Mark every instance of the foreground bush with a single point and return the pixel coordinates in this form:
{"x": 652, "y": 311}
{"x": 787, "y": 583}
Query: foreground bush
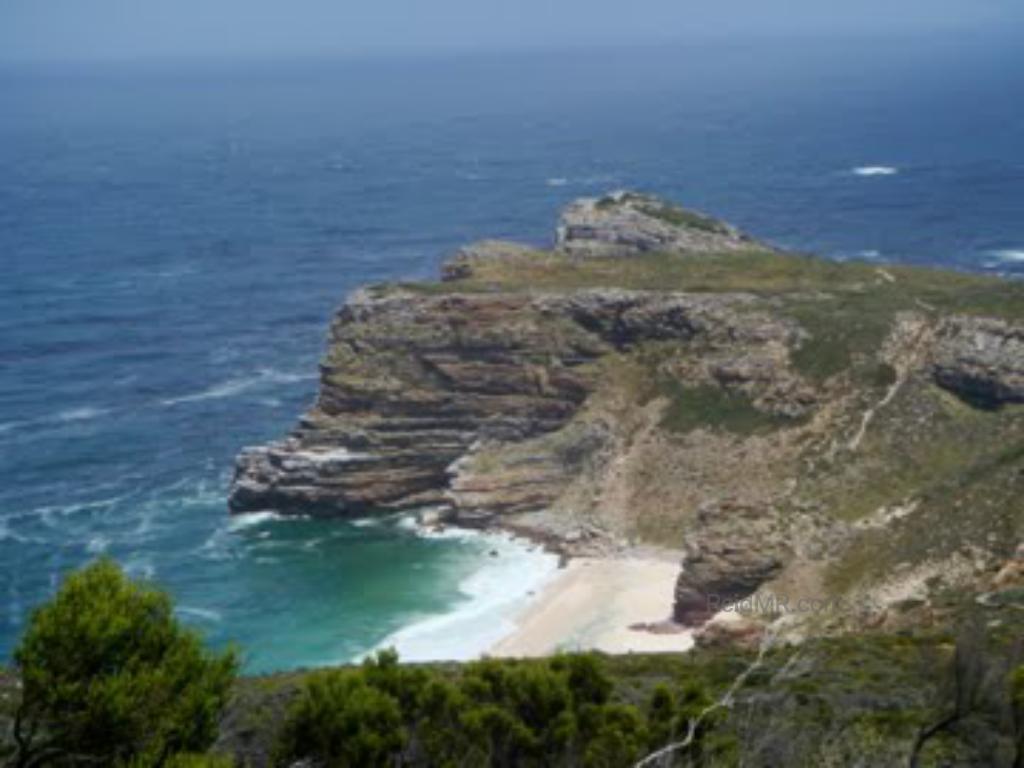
{"x": 111, "y": 678}
{"x": 558, "y": 712}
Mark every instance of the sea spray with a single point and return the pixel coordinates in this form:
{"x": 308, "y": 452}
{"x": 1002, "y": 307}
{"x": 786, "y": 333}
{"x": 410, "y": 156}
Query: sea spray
{"x": 492, "y": 596}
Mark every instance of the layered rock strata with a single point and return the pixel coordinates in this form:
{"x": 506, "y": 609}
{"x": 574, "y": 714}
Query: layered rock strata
{"x": 413, "y": 381}
{"x": 657, "y": 376}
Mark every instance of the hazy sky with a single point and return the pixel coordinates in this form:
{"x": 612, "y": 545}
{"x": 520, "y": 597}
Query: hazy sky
{"x": 116, "y": 29}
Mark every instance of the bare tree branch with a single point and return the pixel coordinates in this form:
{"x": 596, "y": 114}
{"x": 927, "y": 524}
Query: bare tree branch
{"x": 724, "y": 702}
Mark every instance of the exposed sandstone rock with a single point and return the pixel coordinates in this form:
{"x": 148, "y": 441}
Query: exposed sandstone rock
{"x": 490, "y": 481}
{"x": 735, "y": 632}
{"x": 412, "y": 381}
{"x": 732, "y": 551}
{"x": 409, "y": 383}
{"x": 981, "y": 359}
{"x": 625, "y": 222}
{"x": 1011, "y": 573}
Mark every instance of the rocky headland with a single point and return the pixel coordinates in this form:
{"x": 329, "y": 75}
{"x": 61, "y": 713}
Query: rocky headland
{"x": 809, "y": 433}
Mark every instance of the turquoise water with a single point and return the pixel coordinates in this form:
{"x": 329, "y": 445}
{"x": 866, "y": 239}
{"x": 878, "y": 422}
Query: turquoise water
{"x": 175, "y": 239}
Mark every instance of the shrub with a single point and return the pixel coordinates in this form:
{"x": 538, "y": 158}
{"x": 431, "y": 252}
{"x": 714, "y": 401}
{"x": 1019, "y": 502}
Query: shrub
{"x": 612, "y": 735}
{"x": 497, "y": 713}
{"x": 343, "y": 720}
{"x": 111, "y": 678}
{"x": 188, "y": 760}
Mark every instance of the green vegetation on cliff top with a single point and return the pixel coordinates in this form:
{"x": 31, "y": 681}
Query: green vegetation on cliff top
{"x": 760, "y": 272}
{"x": 847, "y": 308}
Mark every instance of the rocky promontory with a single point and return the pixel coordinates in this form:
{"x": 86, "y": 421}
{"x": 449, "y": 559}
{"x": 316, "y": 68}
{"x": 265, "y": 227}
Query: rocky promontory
{"x": 800, "y": 428}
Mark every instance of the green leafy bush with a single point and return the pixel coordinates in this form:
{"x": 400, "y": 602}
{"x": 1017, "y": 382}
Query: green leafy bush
{"x": 111, "y": 678}
{"x": 188, "y": 760}
{"x": 499, "y": 713}
{"x": 344, "y": 720}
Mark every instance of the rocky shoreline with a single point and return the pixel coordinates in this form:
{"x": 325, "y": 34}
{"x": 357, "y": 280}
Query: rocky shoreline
{"x": 657, "y": 376}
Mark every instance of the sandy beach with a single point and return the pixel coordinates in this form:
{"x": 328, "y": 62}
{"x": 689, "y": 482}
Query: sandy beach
{"x": 591, "y": 604}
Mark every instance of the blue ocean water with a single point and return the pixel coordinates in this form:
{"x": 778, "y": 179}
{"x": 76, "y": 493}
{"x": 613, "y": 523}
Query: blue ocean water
{"x": 174, "y": 239}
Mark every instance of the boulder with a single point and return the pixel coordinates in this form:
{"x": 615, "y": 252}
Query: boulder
{"x": 981, "y": 360}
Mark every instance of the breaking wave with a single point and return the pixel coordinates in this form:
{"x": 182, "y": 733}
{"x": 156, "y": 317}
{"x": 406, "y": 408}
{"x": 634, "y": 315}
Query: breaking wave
{"x": 81, "y": 414}
{"x": 1010, "y": 255}
{"x": 875, "y": 170}
{"x": 237, "y": 386}
{"x": 205, "y": 614}
{"x": 493, "y": 596}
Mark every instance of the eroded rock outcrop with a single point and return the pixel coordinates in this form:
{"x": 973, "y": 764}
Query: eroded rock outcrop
{"x": 627, "y": 222}
{"x": 734, "y": 550}
{"x": 981, "y": 359}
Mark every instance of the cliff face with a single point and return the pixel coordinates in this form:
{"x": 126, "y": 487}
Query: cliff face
{"x": 800, "y": 427}
{"x": 409, "y": 384}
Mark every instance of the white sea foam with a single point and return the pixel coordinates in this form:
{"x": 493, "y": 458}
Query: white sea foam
{"x": 450, "y": 532}
{"x": 252, "y": 519}
{"x": 140, "y": 568}
{"x": 600, "y": 180}
{"x": 97, "y": 545}
{"x": 409, "y": 523}
{"x": 404, "y": 520}
{"x": 46, "y": 513}
{"x": 237, "y": 386}
{"x": 218, "y": 546}
{"x": 875, "y": 170}
{"x": 6, "y": 533}
{"x": 492, "y": 597}
{"x": 332, "y": 455}
{"x": 1015, "y": 255}
{"x": 400, "y": 519}
{"x": 173, "y": 273}
{"x": 284, "y": 377}
{"x": 225, "y": 389}
{"x": 80, "y": 414}
{"x": 206, "y": 614}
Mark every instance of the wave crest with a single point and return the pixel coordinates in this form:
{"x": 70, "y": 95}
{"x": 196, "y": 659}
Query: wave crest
{"x": 237, "y": 386}
{"x": 875, "y": 170}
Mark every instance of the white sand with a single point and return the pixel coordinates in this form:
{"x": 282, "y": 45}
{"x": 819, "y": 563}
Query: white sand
{"x": 590, "y": 605}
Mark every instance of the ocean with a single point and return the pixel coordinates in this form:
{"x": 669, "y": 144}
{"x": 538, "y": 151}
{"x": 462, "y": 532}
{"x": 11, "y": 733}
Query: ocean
{"x": 174, "y": 238}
